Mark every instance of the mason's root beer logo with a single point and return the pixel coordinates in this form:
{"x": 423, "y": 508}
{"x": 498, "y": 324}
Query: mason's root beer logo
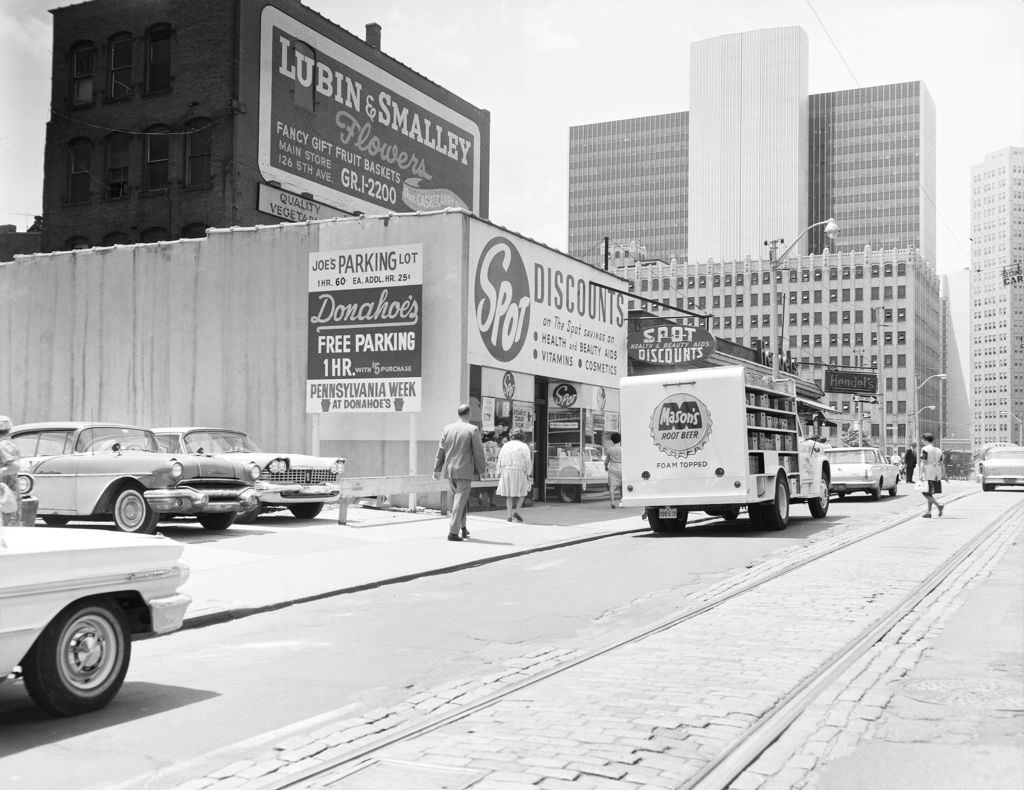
{"x": 502, "y": 295}
{"x": 680, "y": 425}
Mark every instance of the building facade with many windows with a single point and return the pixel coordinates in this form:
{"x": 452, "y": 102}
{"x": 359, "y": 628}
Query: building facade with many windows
{"x": 997, "y": 297}
{"x": 874, "y": 309}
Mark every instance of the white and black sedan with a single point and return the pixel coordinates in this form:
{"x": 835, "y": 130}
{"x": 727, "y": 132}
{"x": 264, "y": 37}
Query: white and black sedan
{"x": 301, "y": 483}
{"x": 861, "y": 469}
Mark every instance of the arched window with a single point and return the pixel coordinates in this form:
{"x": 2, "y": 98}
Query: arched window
{"x": 79, "y": 165}
{"x": 77, "y": 243}
{"x": 117, "y": 237}
{"x": 119, "y": 62}
{"x": 158, "y": 58}
{"x": 157, "y": 150}
{"x": 83, "y": 73}
{"x": 198, "y": 147}
{"x": 154, "y": 234}
{"x": 117, "y": 165}
{"x": 194, "y": 230}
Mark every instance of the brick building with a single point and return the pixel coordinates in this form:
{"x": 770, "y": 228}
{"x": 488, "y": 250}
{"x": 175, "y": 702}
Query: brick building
{"x": 172, "y": 116}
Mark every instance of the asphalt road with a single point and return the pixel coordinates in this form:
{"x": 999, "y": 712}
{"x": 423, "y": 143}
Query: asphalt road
{"x": 194, "y": 699}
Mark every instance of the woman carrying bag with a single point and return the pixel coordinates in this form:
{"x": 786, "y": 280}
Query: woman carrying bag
{"x": 515, "y": 467}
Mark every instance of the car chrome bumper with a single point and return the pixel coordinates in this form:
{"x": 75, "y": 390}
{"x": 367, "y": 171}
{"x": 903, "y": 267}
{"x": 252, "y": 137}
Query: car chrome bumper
{"x": 187, "y": 501}
{"x": 1003, "y": 480}
{"x": 168, "y": 613}
{"x": 283, "y": 493}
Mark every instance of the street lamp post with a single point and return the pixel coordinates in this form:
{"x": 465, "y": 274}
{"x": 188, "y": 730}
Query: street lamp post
{"x": 1020, "y": 425}
{"x": 831, "y": 230}
{"x": 917, "y": 414}
{"x": 917, "y": 390}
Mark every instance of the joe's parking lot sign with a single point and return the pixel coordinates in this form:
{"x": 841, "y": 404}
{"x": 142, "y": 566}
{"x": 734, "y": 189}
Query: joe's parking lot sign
{"x": 365, "y": 315}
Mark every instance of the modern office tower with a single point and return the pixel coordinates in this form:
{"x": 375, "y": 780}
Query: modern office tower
{"x": 872, "y": 168}
{"x": 955, "y": 399}
{"x": 748, "y": 142}
{"x": 997, "y": 297}
{"x": 627, "y": 182}
{"x": 872, "y": 309}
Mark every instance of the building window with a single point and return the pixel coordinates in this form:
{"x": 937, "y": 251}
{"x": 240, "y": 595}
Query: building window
{"x": 154, "y": 234}
{"x": 858, "y": 316}
{"x": 716, "y": 281}
{"x": 119, "y": 81}
{"x": 739, "y": 300}
{"x": 79, "y": 163}
{"x": 753, "y": 278}
{"x": 114, "y": 238}
{"x": 689, "y": 282}
{"x": 158, "y": 59}
{"x": 901, "y": 270}
{"x": 888, "y": 270}
{"x": 753, "y": 321}
{"x": 739, "y": 279}
{"x": 739, "y": 322}
{"x": 728, "y": 300}
{"x": 194, "y": 230}
{"x": 728, "y": 280}
{"x": 817, "y": 275}
{"x": 716, "y": 301}
{"x": 874, "y": 293}
{"x": 901, "y": 314}
{"x": 83, "y": 73}
{"x": 77, "y": 243}
{"x": 198, "y": 146}
{"x": 887, "y": 294}
{"x": 157, "y": 153}
{"x": 901, "y": 291}
{"x": 702, "y": 281}
{"x": 117, "y": 166}
{"x": 655, "y": 284}
{"x": 833, "y": 295}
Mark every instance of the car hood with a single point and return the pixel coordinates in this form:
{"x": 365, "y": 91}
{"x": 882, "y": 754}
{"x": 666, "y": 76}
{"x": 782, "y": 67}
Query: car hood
{"x": 202, "y": 466}
{"x": 295, "y": 460}
{"x": 37, "y": 556}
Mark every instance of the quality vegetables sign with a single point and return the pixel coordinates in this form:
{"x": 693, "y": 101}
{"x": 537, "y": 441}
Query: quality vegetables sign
{"x": 365, "y": 321}
{"x": 349, "y": 134}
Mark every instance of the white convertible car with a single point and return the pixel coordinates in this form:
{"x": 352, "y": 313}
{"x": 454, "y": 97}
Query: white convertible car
{"x": 72, "y": 600}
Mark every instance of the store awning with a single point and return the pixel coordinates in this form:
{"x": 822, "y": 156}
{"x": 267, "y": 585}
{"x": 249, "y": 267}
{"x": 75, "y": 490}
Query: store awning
{"x": 811, "y": 411}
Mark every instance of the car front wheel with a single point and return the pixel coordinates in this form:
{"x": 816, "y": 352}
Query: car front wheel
{"x": 78, "y": 662}
{"x": 306, "y": 509}
{"x": 216, "y": 521}
{"x": 132, "y": 512}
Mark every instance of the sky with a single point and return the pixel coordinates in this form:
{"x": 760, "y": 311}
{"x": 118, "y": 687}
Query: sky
{"x": 541, "y": 67}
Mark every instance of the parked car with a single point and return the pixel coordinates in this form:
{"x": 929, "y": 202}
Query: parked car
{"x": 861, "y": 469}
{"x": 574, "y": 470}
{"x": 301, "y": 483}
{"x": 72, "y": 600}
{"x": 1002, "y": 466}
{"x": 91, "y": 470}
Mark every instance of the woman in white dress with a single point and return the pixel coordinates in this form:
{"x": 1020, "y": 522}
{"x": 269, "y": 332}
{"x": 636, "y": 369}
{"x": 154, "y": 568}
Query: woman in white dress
{"x": 515, "y": 467}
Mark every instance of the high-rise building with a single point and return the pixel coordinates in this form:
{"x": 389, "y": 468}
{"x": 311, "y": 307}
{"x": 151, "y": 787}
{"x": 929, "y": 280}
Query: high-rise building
{"x": 748, "y": 140}
{"x": 755, "y": 158}
{"x": 871, "y": 309}
{"x": 627, "y": 182}
{"x": 997, "y": 297}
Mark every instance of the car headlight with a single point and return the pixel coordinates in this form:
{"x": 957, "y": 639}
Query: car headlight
{"x": 278, "y": 466}
{"x": 177, "y": 470}
{"x": 254, "y": 471}
{"x": 338, "y": 466}
{"x": 25, "y": 484}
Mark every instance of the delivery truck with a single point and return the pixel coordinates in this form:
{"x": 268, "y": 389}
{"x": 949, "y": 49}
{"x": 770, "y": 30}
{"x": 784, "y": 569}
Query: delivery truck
{"x": 718, "y": 440}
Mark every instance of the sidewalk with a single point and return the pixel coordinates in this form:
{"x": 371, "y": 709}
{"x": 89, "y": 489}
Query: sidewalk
{"x": 253, "y": 568}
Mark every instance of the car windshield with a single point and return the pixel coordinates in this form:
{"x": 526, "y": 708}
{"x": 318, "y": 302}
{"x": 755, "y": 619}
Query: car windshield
{"x": 1005, "y": 455}
{"x": 112, "y": 438}
{"x": 215, "y": 442}
{"x": 850, "y": 457}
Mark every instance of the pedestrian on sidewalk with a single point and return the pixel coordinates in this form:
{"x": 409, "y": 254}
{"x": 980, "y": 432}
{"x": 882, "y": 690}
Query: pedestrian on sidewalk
{"x": 460, "y": 457}
{"x": 931, "y": 472}
{"x": 515, "y": 467}
{"x": 613, "y": 465}
{"x": 910, "y": 462}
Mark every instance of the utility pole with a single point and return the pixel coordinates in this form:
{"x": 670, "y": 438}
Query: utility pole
{"x": 606, "y": 252}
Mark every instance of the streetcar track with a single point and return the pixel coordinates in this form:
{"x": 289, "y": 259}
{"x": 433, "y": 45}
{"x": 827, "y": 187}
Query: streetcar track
{"x": 355, "y": 757}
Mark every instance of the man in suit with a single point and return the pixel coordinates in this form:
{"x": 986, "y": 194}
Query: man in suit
{"x": 460, "y": 457}
{"x": 910, "y": 462}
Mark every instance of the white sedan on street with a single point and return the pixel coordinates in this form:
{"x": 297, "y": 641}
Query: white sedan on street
{"x": 861, "y": 469}
{"x": 71, "y": 601}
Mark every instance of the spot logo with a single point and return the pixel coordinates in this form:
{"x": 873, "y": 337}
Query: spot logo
{"x": 564, "y": 395}
{"x": 680, "y": 425}
{"x": 501, "y": 292}
{"x": 508, "y": 385}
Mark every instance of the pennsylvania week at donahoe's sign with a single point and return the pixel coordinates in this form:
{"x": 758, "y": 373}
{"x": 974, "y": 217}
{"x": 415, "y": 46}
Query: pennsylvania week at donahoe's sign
{"x": 532, "y": 309}
{"x": 349, "y": 134}
{"x": 365, "y": 320}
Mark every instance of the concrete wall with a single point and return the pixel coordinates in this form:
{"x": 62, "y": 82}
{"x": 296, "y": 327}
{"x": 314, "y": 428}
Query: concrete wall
{"x": 213, "y": 331}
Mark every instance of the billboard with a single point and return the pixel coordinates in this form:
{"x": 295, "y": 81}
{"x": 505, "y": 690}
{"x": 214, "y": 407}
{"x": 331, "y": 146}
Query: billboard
{"x": 364, "y": 330}
{"x": 346, "y": 132}
{"x": 532, "y": 308}
{"x": 659, "y": 342}
{"x": 850, "y": 382}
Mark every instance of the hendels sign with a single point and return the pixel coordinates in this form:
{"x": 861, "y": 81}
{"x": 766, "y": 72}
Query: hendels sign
{"x": 850, "y": 382}
{"x": 670, "y": 344}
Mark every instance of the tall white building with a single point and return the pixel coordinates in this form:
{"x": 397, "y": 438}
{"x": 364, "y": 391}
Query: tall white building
{"x": 997, "y": 297}
{"x": 748, "y": 142}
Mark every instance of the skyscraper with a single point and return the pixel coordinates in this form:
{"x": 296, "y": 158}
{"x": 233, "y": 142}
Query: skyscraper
{"x": 748, "y": 137}
{"x": 997, "y": 297}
